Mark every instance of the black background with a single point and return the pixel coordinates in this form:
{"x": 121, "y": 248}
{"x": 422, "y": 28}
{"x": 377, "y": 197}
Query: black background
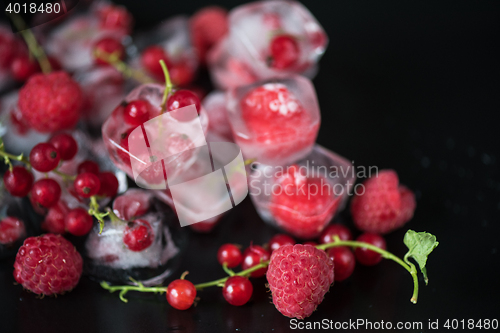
{"x": 408, "y": 85}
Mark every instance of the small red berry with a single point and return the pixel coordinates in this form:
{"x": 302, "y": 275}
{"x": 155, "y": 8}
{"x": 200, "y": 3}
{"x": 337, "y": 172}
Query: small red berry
{"x": 280, "y": 240}
{"x": 335, "y": 230}
{"x": 181, "y": 294}
{"x": 343, "y": 262}
{"x": 150, "y": 59}
{"x": 369, "y": 257}
{"x": 114, "y": 17}
{"x": 207, "y": 26}
{"x": 22, "y": 67}
{"x": 180, "y": 99}
{"x": 88, "y": 166}
{"x": 108, "y": 46}
{"x": 181, "y": 74}
{"x": 138, "y": 235}
{"x": 137, "y": 112}
{"x": 46, "y": 192}
{"x": 87, "y": 184}
{"x": 237, "y": 290}
{"x": 285, "y": 52}
{"x": 229, "y": 254}
{"x": 11, "y": 229}
{"x": 48, "y": 264}
{"x": 44, "y": 157}
{"x": 54, "y": 220}
{"x": 65, "y": 144}
{"x": 254, "y": 255}
{"x": 109, "y": 184}
{"x": 78, "y": 222}
{"x": 18, "y": 181}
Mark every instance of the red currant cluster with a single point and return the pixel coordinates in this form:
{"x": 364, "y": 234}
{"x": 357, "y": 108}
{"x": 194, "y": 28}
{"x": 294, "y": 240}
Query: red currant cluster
{"x": 45, "y": 193}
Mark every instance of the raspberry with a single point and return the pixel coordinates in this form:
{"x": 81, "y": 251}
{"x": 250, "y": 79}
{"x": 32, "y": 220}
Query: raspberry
{"x": 48, "y": 264}
{"x": 384, "y": 206}
{"x": 302, "y": 206}
{"x": 50, "y": 102}
{"x": 299, "y": 277}
{"x": 208, "y": 26}
{"x": 11, "y": 229}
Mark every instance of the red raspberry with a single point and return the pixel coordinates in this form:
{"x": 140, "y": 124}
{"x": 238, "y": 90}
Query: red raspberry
{"x": 11, "y": 229}
{"x": 302, "y": 206}
{"x": 51, "y": 102}
{"x": 384, "y": 206}
{"x": 48, "y": 264}
{"x": 208, "y": 26}
{"x": 299, "y": 277}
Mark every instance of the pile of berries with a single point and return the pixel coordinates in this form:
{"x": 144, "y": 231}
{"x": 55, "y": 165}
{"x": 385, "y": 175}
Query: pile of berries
{"x": 269, "y": 109}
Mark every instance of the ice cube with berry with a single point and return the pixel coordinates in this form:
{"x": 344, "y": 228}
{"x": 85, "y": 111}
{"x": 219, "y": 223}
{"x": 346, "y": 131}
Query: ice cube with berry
{"x": 276, "y": 121}
{"x": 270, "y": 38}
{"x": 302, "y": 198}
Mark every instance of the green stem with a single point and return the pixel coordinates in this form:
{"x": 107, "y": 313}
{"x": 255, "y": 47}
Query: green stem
{"x": 138, "y": 287}
{"x": 168, "y": 85}
{"x": 385, "y": 254}
{"x": 64, "y": 176}
{"x": 33, "y": 45}
{"x": 127, "y": 71}
{"x": 220, "y": 282}
{"x": 94, "y": 211}
{"x": 227, "y": 270}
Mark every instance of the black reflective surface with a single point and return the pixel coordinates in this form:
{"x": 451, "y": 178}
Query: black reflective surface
{"x": 406, "y": 85}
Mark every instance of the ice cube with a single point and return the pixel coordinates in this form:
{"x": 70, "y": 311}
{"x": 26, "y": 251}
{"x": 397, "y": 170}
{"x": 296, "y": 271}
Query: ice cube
{"x": 166, "y": 137}
{"x": 258, "y": 34}
{"x": 302, "y": 199}
{"x": 218, "y": 123}
{"x": 276, "y": 121}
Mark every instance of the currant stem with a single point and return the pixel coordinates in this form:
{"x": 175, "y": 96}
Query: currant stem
{"x": 33, "y": 45}
{"x": 227, "y": 270}
{"x": 168, "y": 85}
{"x": 94, "y": 211}
{"x": 127, "y": 71}
{"x": 138, "y": 287}
{"x": 385, "y": 254}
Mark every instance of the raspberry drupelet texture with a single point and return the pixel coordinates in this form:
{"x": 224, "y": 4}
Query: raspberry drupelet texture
{"x": 299, "y": 277}
{"x": 50, "y": 102}
{"x": 48, "y": 264}
{"x": 384, "y": 206}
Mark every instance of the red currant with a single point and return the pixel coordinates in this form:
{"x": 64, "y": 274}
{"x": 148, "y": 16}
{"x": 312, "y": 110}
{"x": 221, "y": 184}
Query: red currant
{"x": 115, "y": 18}
{"x": 180, "y": 99}
{"x": 280, "y": 240}
{"x": 109, "y": 184}
{"x": 23, "y": 67}
{"x": 87, "y": 184}
{"x": 138, "y": 235}
{"x": 369, "y": 257}
{"x": 335, "y": 230}
{"x": 46, "y": 192}
{"x": 137, "y": 112}
{"x": 11, "y": 229}
{"x": 181, "y": 294}
{"x": 229, "y": 254}
{"x": 18, "y": 181}
{"x": 237, "y": 290}
{"x": 252, "y": 256}
{"x": 150, "y": 59}
{"x": 54, "y": 220}
{"x": 88, "y": 166}
{"x": 65, "y": 144}
{"x": 285, "y": 52}
{"x": 78, "y": 222}
{"x": 343, "y": 262}
{"x": 108, "y": 46}
{"x": 181, "y": 74}
{"x": 44, "y": 157}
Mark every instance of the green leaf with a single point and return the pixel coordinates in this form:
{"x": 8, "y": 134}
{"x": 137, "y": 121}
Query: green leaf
{"x": 420, "y": 245}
